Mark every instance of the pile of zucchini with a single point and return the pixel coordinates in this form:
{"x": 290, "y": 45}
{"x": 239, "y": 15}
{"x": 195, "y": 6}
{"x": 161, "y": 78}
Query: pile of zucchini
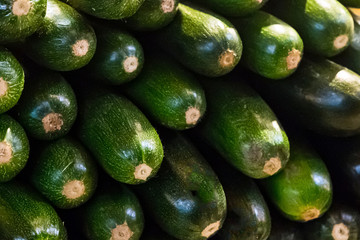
{"x": 169, "y": 119}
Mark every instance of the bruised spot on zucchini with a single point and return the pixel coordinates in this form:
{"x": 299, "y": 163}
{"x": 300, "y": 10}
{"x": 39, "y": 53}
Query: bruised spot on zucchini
{"x": 192, "y": 115}
{"x": 80, "y": 48}
{"x": 272, "y": 166}
{"x": 131, "y": 64}
{"x": 52, "y": 122}
{"x": 310, "y": 214}
{"x": 21, "y": 7}
{"x": 340, "y": 232}
{"x": 5, "y": 152}
{"x": 3, "y": 87}
{"x": 341, "y": 41}
{"x": 121, "y": 232}
{"x": 293, "y": 59}
{"x": 74, "y": 189}
{"x": 168, "y": 6}
{"x": 142, "y": 172}
{"x": 227, "y": 58}
{"x": 211, "y": 229}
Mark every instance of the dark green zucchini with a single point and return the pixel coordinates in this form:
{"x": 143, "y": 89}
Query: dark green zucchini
{"x": 283, "y": 229}
{"x": 341, "y": 222}
{"x": 107, "y": 9}
{"x": 303, "y": 190}
{"x": 20, "y": 18}
{"x": 48, "y": 107}
{"x": 115, "y": 215}
{"x": 271, "y": 47}
{"x": 65, "y": 41}
{"x": 204, "y": 42}
{"x": 11, "y": 80}
{"x": 14, "y": 148}
{"x": 120, "y": 137}
{"x": 119, "y": 57}
{"x": 25, "y": 215}
{"x": 243, "y": 129}
{"x": 153, "y": 15}
{"x": 186, "y": 198}
{"x": 326, "y": 26}
{"x": 350, "y": 3}
{"x": 168, "y": 93}
{"x": 65, "y": 174}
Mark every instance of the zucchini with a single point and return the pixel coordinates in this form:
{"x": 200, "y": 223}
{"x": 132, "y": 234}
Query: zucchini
{"x": 11, "y": 80}
{"x": 65, "y": 41}
{"x": 25, "y": 215}
{"x": 119, "y": 57}
{"x": 115, "y": 215}
{"x": 243, "y": 129}
{"x": 204, "y": 42}
{"x": 303, "y": 190}
{"x": 153, "y": 15}
{"x": 283, "y": 229}
{"x": 350, "y": 3}
{"x": 20, "y": 18}
{"x": 65, "y": 174}
{"x": 186, "y": 198}
{"x": 107, "y": 9}
{"x": 339, "y": 223}
{"x": 271, "y": 48}
{"x": 120, "y": 137}
{"x": 168, "y": 93}
{"x": 48, "y": 107}
{"x": 326, "y": 26}
{"x": 14, "y": 148}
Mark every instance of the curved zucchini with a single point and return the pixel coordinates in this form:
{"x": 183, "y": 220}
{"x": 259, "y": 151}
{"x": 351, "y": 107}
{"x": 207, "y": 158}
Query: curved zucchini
{"x": 14, "y": 148}
{"x": 20, "y": 18}
{"x": 271, "y": 47}
{"x": 243, "y": 129}
{"x": 120, "y": 137}
{"x": 11, "y": 80}
{"x": 48, "y": 107}
{"x": 204, "y": 42}
{"x": 168, "y": 93}
{"x": 65, "y": 41}
{"x": 65, "y": 174}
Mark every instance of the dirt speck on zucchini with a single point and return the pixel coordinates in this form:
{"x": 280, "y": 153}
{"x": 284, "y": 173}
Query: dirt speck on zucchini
{"x": 211, "y": 229}
{"x": 74, "y": 189}
{"x": 121, "y": 232}
{"x": 5, "y": 152}
{"x": 52, "y": 122}
{"x": 293, "y": 59}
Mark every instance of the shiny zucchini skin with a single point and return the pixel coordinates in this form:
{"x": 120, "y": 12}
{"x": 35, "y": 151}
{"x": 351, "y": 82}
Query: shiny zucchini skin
{"x": 14, "y": 148}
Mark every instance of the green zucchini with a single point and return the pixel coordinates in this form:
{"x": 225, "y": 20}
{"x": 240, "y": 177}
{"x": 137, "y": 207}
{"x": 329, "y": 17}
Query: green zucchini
{"x": 20, "y": 18}
{"x": 271, "y": 48}
{"x": 119, "y": 57}
{"x": 14, "y": 148}
{"x": 326, "y": 26}
{"x": 350, "y": 3}
{"x": 120, "y": 137}
{"x": 107, "y": 9}
{"x": 115, "y": 215}
{"x": 65, "y": 174}
{"x": 243, "y": 129}
{"x": 303, "y": 190}
{"x": 25, "y": 215}
{"x": 65, "y": 41}
{"x": 153, "y": 15}
{"x": 186, "y": 198}
{"x": 48, "y": 107}
{"x": 283, "y": 229}
{"x": 11, "y": 80}
{"x": 204, "y": 42}
{"x": 339, "y": 223}
{"x": 168, "y": 93}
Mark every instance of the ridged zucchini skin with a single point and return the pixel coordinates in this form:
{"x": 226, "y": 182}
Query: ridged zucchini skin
{"x": 12, "y": 80}
{"x": 119, "y": 57}
{"x": 271, "y": 47}
{"x": 107, "y": 9}
{"x": 116, "y": 214}
{"x": 20, "y": 18}
{"x": 303, "y": 190}
{"x": 243, "y": 128}
{"x": 14, "y": 148}
{"x": 48, "y": 108}
{"x": 65, "y": 42}
{"x": 204, "y": 42}
{"x": 153, "y": 15}
{"x": 186, "y": 198}
{"x": 340, "y": 222}
{"x": 65, "y": 173}
{"x": 325, "y": 26}
{"x": 120, "y": 137}
{"x": 170, "y": 94}
{"x": 25, "y": 215}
